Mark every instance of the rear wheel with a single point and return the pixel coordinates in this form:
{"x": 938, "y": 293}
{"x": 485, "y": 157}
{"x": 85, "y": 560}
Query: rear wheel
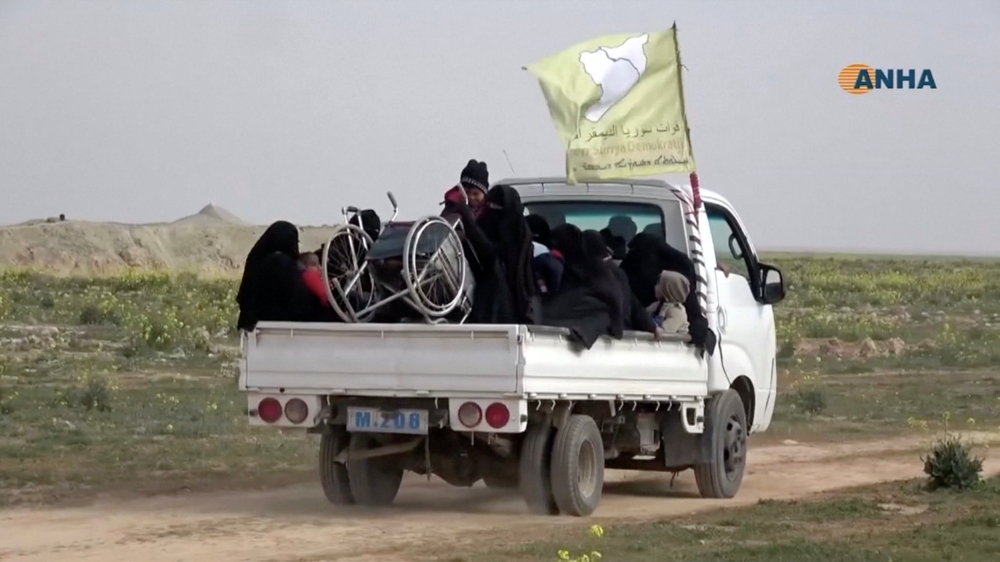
{"x": 534, "y": 470}
{"x": 726, "y": 423}
{"x": 578, "y": 466}
{"x": 333, "y": 475}
{"x": 374, "y": 481}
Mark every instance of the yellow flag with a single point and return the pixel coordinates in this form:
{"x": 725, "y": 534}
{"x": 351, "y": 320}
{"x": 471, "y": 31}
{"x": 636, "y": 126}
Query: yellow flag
{"x": 618, "y": 105}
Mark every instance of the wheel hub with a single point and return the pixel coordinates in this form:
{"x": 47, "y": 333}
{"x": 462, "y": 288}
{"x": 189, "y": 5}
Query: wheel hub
{"x": 734, "y": 453}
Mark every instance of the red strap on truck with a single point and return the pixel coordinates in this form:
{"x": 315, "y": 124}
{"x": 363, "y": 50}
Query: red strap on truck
{"x": 695, "y": 194}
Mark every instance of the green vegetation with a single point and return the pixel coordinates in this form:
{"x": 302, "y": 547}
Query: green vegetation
{"x": 901, "y": 521}
{"x": 951, "y": 464}
{"x": 129, "y": 382}
{"x": 126, "y": 383}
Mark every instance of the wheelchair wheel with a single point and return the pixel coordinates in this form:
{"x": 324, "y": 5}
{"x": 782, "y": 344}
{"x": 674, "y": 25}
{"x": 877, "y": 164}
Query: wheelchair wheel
{"x": 350, "y": 284}
{"x": 434, "y": 267}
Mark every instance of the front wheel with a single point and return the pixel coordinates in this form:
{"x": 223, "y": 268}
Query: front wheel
{"x": 578, "y": 466}
{"x": 374, "y": 481}
{"x": 726, "y": 425}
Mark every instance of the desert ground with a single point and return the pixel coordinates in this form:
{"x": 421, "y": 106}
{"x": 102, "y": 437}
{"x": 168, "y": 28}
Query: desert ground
{"x": 123, "y": 435}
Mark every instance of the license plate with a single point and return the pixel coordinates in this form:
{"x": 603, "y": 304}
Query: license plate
{"x": 373, "y": 420}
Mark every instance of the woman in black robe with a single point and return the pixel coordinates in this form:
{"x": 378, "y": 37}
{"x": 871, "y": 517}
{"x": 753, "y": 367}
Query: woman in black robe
{"x": 636, "y": 317}
{"x": 649, "y": 255}
{"x": 589, "y": 300}
{"x": 499, "y": 249}
{"x": 272, "y": 287}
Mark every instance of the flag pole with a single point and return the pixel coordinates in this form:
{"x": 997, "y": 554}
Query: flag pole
{"x": 695, "y": 191}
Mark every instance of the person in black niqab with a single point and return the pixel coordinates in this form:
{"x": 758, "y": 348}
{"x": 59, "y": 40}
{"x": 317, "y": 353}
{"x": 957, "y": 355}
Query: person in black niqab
{"x": 500, "y": 244}
{"x": 635, "y": 316}
{"x": 648, "y": 256}
{"x": 272, "y": 286}
{"x": 589, "y": 300}
{"x": 541, "y": 234}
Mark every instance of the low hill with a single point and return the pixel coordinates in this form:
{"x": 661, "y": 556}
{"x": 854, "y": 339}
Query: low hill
{"x": 211, "y": 241}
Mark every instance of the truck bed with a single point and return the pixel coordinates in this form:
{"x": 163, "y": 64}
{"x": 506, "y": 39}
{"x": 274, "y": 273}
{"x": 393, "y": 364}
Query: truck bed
{"x": 407, "y": 360}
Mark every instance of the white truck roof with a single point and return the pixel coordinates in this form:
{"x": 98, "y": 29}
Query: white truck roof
{"x": 557, "y": 180}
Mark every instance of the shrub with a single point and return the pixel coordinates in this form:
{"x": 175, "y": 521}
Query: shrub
{"x": 6, "y": 402}
{"x": 95, "y": 395}
{"x": 787, "y": 350}
{"x": 951, "y": 464}
{"x": 96, "y": 315}
{"x": 810, "y": 400}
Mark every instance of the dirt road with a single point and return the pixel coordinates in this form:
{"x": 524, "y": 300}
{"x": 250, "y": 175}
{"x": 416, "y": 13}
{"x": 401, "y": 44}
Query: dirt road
{"x": 296, "y": 523}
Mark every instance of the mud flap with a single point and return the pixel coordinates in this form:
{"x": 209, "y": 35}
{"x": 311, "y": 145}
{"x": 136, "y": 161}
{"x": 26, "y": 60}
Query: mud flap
{"x": 682, "y": 449}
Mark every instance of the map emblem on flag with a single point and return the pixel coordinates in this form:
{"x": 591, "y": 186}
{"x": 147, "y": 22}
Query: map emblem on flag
{"x": 615, "y": 70}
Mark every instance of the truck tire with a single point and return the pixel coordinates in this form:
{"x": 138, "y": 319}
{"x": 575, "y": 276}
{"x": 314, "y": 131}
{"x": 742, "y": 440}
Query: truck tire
{"x": 332, "y": 475}
{"x": 534, "y": 478}
{"x": 578, "y": 466}
{"x": 374, "y": 482}
{"x": 726, "y": 424}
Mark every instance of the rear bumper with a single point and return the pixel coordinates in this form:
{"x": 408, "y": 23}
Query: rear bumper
{"x": 442, "y": 412}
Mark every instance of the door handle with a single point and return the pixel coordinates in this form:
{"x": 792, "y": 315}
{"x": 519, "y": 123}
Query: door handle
{"x": 722, "y": 319}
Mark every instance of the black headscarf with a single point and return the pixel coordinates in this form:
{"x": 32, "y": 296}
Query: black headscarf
{"x": 595, "y": 245}
{"x": 503, "y": 224}
{"x": 540, "y": 231}
{"x": 623, "y": 225}
{"x": 635, "y": 315}
{"x": 369, "y": 220}
{"x": 649, "y": 255}
{"x": 568, "y": 239}
{"x": 617, "y": 244}
{"x": 282, "y": 237}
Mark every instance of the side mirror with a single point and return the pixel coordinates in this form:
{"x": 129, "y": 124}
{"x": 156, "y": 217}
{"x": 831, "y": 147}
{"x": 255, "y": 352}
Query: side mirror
{"x": 772, "y": 283}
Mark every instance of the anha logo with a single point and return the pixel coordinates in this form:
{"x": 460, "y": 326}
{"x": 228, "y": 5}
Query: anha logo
{"x": 859, "y": 78}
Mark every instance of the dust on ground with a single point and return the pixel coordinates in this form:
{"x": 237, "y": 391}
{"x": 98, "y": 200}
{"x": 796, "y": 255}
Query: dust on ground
{"x": 429, "y": 518}
{"x": 211, "y": 241}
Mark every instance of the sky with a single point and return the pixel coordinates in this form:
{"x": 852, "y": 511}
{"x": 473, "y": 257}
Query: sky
{"x": 146, "y": 111}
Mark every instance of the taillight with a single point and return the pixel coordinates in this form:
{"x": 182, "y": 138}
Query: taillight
{"x": 269, "y": 410}
{"x": 296, "y": 410}
{"x": 497, "y": 415}
{"x": 469, "y": 414}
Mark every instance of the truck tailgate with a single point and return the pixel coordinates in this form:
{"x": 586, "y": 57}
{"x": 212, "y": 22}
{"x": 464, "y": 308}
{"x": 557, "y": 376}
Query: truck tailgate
{"x": 382, "y": 359}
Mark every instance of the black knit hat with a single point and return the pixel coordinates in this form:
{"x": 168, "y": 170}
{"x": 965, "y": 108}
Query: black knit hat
{"x": 475, "y": 176}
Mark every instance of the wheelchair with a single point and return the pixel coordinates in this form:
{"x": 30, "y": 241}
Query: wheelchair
{"x": 414, "y": 271}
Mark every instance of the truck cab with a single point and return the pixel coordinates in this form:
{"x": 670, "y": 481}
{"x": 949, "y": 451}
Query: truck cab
{"x": 523, "y": 406}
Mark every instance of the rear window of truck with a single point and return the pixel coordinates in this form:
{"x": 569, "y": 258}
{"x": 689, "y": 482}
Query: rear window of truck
{"x": 622, "y": 219}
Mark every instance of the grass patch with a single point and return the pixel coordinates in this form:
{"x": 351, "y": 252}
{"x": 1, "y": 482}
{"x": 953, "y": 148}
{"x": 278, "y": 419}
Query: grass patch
{"x": 902, "y": 522}
{"x": 66, "y": 434}
{"x": 820, "y": 405}
{"x": 123, "y": 381}
{"x": 126, "y": 383}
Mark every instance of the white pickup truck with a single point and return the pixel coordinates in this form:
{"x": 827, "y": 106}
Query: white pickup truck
{"x": 522, "y": 406}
